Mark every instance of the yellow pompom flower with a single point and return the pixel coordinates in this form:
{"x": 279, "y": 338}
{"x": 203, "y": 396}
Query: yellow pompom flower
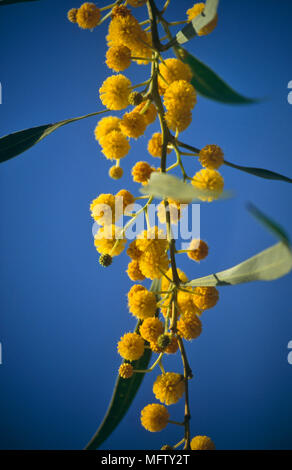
{"x": 141, "y": 172}
{"x": 153, "y": 265}
{"x": 128, "y": 197}
{"x": 180, "y": 96}
{"x": 171, "y": 70}
{"x": 126, "y": 371}
{"x": 165, "y": 284}
{"x": 142, "y": 303}
{"x": 124, "y": 29}
{"x": 202, "y": 443}
{"x": 115, "y": 172}
{"x": 105, "y": 126}
{"x": 72, "y": 15}
{"x": 150, "y": 112}
{"x": 103, "y": 209}
{"x": 134, "y": 272}
{"x": 173, "y": 346}
{"x": 153, "y": 238}
{"x": 199, "y": 250}
{"x": 131, "y": 346}
{"x": 195, "y": 11}
{"x": 118, "y": 58}
{"x": 169, "y": 388}
{"x": 186, "y": 303}
{"x": 115, "y": 145}
{"x": 173, "y": 209}
{"x": 108, "y": 240}
{"x": 114, "y": 92}
{"x": 211, "y": 156}
{"x": 133, "y": 124}
{"x": 208, "y": 181}
{"x": 178, "y": 119}
{"x": 151, "y": 329}
{"x": 155, "y": 145}
{"x": 189, "y": 326}
{"x": 206, "y": 297}
{"x": 154, "y": 417}
{"x": 88, "y": 16}
{"x": 133, "y": 251}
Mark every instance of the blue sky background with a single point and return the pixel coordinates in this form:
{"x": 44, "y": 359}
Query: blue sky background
{"x": 62, "y": 314}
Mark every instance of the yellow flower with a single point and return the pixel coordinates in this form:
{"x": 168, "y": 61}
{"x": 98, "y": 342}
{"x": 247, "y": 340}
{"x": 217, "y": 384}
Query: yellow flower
{"x": 115, "y": 172}
{"x": 169, "y": 388}
{"x": 134, "y": 272}
{"x": 189, "y": 326}
{"x": 208, "y": 180}
{"x": 115, "y": 145}
{"x": 206, "y": 297}
{"x": 105, "y": 126}
{"x": 155, "y": 145}
{"x": 133, "y": 251}
{"x": 131, "y": 346}
{"x": 142, "y": 303}
{"x": 150, "y": 112}
{"x": 152, "y": 265}
{"x": 126, "y": 371}
{"x": 133, "y": 124}
{"x": 154, "y": 417}
{"x": 202, "y": 443}
{"x": 195, "y": 11}
{"x": 174, "y": 211}
{"x": 103, "y": 209}
{"x": 186, "y": 303}
{"x": 141, "y": 172}
{"x": 118, "y": 58}
{"x": 153, "y": 238}
{"x": 107, "y": 237}
{"x": 171, "y": 70}
{"x": 151, "y": 329}
{"x": 143, "y": 49}
{"x": 128, "y": 197}
{"x": 88, "y": 16}
{"x": 125, "y": 30}
{"x": 173, "y": 346}
{"x": 199, "y": 250}
{"x": 72, "y": 15}
{"x": 211, "y": 156}
{"x": 114, "y": 92}
{"x": 165, "y": 284}
{"x": 180, "y": 96}
{"x": 178, "y": 119}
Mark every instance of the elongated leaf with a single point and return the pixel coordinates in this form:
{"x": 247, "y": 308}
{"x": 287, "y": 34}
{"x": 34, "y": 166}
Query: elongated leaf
{"x": 267, "y": 174}
{"x": 164, "y": 185}
{"x": 14, "y": 144}
{"x": 124, "y": 393}
{"x": 209, "y": 84}
{"x": 271, "y": 225}
{"x": 8, "y": 2}
{"x": 270, "y": 264}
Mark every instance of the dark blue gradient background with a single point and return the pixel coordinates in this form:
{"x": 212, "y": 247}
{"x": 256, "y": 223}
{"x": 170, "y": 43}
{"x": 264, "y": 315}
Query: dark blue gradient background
{"x": 61, "y": 314}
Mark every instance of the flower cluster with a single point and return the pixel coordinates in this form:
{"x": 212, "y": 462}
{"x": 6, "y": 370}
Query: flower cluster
{"x": 171, "y": 313}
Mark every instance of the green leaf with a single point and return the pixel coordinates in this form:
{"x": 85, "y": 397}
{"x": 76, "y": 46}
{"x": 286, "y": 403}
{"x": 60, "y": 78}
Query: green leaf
{"x": 8, "y": 2}
{"x": 267, "y": 174}
{"x": 270, "y": 264}
{"x": 209, "y": 84}
{"x": 164, "y": 185}
{"x": 14, "y": 144}
{"x": 271, "y": 225}
{"x": 124, "y": 393}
